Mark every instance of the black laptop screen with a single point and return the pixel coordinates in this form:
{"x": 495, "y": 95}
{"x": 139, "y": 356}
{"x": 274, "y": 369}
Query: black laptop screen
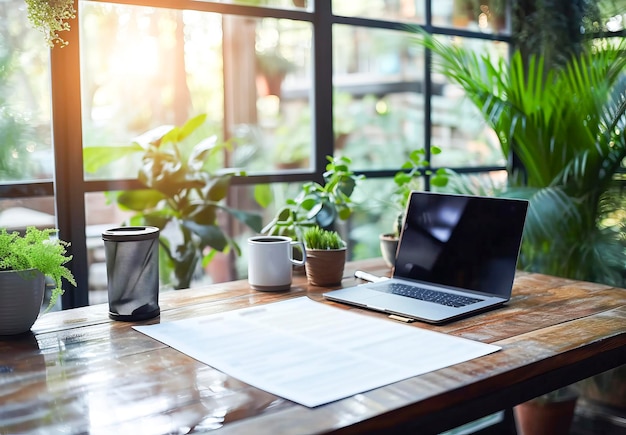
{"x": 467, "y": 242}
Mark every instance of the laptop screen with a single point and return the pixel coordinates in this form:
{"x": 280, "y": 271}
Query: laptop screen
{"x": 466, "y": 242}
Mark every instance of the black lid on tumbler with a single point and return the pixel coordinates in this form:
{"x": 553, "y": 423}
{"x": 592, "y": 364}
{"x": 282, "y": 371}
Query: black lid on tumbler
{"x": 130, "y": 234}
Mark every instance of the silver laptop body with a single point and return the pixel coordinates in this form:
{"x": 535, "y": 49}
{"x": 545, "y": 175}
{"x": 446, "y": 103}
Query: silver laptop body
{"x": 457, "y": 255}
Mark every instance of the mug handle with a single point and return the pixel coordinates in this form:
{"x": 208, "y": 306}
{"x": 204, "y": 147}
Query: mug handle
{"x": 297, "y": 262}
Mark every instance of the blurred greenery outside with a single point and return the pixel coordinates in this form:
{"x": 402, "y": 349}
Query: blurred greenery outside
{"x": 131, "y": 89}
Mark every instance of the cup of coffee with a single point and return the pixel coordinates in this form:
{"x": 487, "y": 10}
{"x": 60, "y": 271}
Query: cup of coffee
{"x": 270, "y": 261}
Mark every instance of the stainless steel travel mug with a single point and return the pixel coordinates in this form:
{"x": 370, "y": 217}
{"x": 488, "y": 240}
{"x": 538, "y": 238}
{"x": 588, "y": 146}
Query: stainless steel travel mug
{"x": 132, "y": 262}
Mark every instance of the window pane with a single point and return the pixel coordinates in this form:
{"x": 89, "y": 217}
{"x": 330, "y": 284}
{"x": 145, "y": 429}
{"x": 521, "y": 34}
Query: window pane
{"x": 26, "y": 149}
{"x": 278, "y": 134}
{"x": 100, "y": 214}
{"x": 19, "y": 214}
{"x": 378, "y": 102}
{"x": 281, "y": 4}
{"x": 397, "y": 10}
{"x": 483, "y": 183}
{"x": 486, "y": 16}
{"x": 375, "y": 215}
{"x": 142, "y": 68}
{"x": 156, "y": 67}
{"x": 458, "y": 127}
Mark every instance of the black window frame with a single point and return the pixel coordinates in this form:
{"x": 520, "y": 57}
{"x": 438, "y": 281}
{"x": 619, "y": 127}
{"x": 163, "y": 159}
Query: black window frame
{"x": 69, "y": 186}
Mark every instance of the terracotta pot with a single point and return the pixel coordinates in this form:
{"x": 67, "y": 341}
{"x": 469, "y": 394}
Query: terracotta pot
{"x": 21, "y": 296}
{"x": 549, "y": 418}
{"x": 607, "y": 389}
{"x": 324, "y": 267}
{"x": 388, "y": 248}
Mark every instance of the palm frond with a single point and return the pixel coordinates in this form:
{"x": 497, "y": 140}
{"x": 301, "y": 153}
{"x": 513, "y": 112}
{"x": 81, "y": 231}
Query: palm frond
{"x": 566, "y": 127}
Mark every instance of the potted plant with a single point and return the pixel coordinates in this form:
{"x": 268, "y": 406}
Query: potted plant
{"x": 51, "y": 17}
{"x": 316, "y": 204}
{"x": 560, "y": 125}
{"x": 549, "y": 414}
{"x": 407, "y": 180}
{"x": 186, "y": 196}
{"x": 25, "y": 262}
{"x": 325, "y": 257}
{"x": 561, "y": 129}
{"x": 272, "y": 68}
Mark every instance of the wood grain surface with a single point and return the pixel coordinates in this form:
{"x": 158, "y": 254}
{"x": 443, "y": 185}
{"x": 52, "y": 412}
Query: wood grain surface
{"x": 80, "y": 372}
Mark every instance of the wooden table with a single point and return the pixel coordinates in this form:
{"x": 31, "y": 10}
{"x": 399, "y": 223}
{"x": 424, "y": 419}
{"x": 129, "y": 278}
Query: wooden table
{"x": 80, "y": 372}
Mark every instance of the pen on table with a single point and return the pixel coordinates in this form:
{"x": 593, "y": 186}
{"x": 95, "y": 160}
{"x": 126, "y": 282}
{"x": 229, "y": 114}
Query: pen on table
{"x": 368, "y": 276}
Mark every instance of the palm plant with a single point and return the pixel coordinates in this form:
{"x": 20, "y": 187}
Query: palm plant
{"x": 565, "y": 127}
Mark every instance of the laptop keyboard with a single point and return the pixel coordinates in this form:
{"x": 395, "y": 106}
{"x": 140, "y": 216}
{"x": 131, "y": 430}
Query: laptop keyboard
{"x": 441, "y": 298}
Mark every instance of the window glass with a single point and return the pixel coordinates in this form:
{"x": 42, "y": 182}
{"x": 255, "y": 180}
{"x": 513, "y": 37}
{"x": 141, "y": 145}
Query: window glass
{"x": 375, "y": 215}
{"x": 281, "y": 4}
{"x": 458, "y": 127}
{"x": 480, "y": 183}
{"x": 101, "y": 213}
{"x": 395, "y": 10}
{"x": 145, "y": 68}
{"x": 19, "y": 214}
{"x": 378, "y": 102}
{"x": 486, "y": 16}
{"x": 26, "y": 149}
{"x": 136, "y": 74}
{"x": 377, "y": 211}
{"x": 277, "y": 134}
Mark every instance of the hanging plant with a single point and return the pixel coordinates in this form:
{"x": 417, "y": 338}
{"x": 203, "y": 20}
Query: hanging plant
{"x": 51, "y": 17}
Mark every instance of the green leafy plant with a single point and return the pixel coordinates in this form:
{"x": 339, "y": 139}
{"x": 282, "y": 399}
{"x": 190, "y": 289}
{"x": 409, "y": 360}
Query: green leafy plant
{"x": 319, "y": 238}
{"x": 316, "y": 204}
{"x": 565, "y": 127}
{"x": 51, "y": 17}
{"x": 407, "y": 180}
{"x": 37, "y": 249}
{"x": 186, "y": 197}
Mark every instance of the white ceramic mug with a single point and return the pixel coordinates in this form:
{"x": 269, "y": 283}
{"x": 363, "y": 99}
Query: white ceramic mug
{"x": 270, "y": 260}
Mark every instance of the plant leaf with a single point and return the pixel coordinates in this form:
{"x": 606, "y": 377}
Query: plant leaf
{"x": 96, "y": 157}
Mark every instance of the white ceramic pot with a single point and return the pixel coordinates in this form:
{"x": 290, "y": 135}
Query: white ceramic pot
{"x": 21, "y": 296}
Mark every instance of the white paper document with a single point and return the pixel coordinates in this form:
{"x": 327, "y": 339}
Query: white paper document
{"x": 312, "y": 353}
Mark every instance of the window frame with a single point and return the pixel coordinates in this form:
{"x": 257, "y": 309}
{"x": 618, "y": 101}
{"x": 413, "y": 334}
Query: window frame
{"x": 69, "y": 186}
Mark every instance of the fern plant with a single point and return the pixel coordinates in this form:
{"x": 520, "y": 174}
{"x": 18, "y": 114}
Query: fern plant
{"x": 37, "y": 249}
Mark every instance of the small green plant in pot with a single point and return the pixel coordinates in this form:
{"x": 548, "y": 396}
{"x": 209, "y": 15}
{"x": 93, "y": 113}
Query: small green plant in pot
{"x": 325, "y": 256}
{"x": 25, "y": 261}
{"x": 407, "y": 180}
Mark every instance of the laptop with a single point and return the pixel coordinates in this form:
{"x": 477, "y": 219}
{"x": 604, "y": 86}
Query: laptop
{"x": 457, "y": 256}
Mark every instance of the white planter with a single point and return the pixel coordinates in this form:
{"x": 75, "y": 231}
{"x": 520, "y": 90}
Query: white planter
{"x": 21, "y": 296}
